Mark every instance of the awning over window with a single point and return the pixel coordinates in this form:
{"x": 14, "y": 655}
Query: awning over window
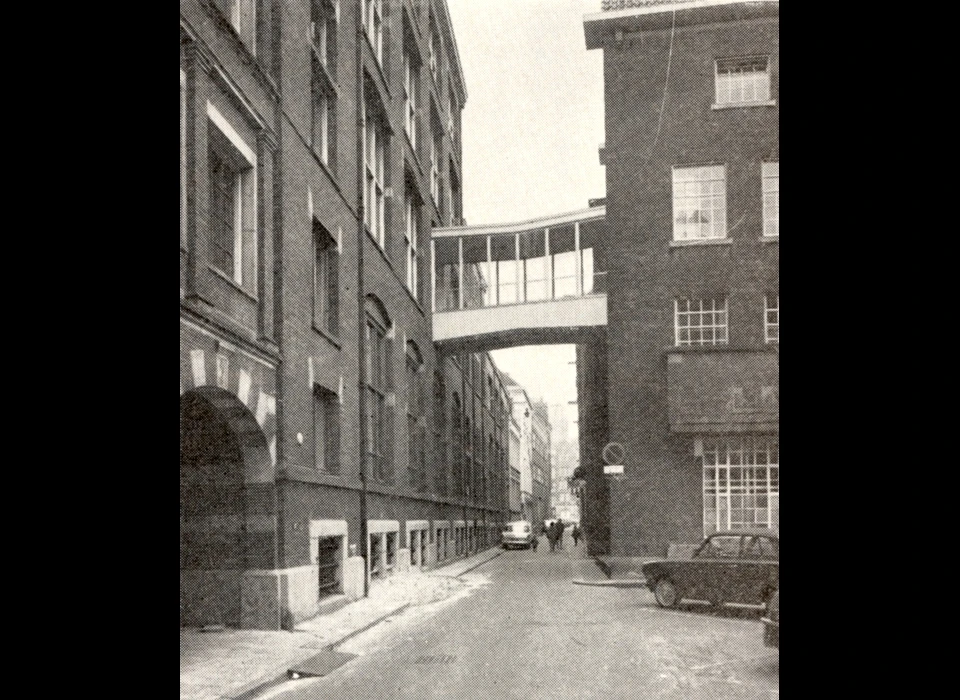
{"x": 723, "y": 392}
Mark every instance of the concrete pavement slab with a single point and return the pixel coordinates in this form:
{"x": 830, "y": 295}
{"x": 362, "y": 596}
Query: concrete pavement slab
{"x": 227, "y": 664}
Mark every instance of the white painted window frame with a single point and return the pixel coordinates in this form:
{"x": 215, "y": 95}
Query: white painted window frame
{"x": 411, "y": 234}
{"x": 373, "y": 26}
{"x": 245, "y": 212}
{"x": 771, "y": 318}
{"x": 699, "y": 190}
{"x": 375, "y": 135}
{"x": 737, "y": 86}
{"x": 411, "y": 86}
{"x": 701, "y": 317}
{"x": 745, "y": 468}
{"x": 771, "y": 199}
{"x": 243, "y": 18}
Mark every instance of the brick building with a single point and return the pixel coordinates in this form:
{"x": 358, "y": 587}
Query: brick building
{"x": 692, "y": 349}
{"x": 323, "y": 442}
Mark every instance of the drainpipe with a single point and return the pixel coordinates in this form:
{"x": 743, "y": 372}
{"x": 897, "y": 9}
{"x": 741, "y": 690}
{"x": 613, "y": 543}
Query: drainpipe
{"x": 361, "y": 311}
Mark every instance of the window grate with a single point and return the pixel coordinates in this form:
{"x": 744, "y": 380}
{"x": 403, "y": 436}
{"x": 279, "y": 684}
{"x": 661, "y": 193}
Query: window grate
{"x": 328, "y": 565}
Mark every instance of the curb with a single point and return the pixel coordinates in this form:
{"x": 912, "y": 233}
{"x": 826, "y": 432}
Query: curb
{"x": 361, "y": 630}
{"x": 254, "y": 688}
{"x": 614, "y": 583}
{"x": 496, "y": 554}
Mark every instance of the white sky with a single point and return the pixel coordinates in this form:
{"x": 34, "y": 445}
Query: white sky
{"x": 532, "y": 127}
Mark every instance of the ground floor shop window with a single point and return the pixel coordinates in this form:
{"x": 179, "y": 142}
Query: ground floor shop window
{"x": 741, "y": 482}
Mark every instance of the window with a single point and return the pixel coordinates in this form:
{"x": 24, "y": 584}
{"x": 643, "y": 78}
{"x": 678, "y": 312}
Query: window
{"x": 434, "y": 49}
{"x": 721, "y": 547}
{"x": 373, "y": 24}
{"x": 699, "y": 203}
{"x": 378, "y": 425}
{"x": 231, "y": 168}
{"x": 411, "y": 88}
{"x": 323, "y": 33}
{"x": 743, "y": 80}
{"x": 243, "y": 18}
{"x": 323, "y": 116}
{"x": 771, "y": 314}
{"x": 375, "y": 150}
{"x": 326, "y": 431}
{"x": 416, "y": 424}
{"x": 741, "y": 483}
{"x": 700, "y": 321}
{"x": 436, "y": 152}
{"x": 771, "y": 199}
{"x": 326, "y": 281}
{"x": 411, "y": 237}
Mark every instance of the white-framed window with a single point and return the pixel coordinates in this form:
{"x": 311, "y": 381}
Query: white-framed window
{"x": 741, "y": 482}
{"x": 699, "y": 203}
{"x": 411, "y": 237}
{"x": 700, "y": 321}
{"x": 375, "y": 150}
{"x": 324, "y": 15}
{"x": 231, "y": 167}
{"x": 411, "y": 88}
{"x": 243, "y": 18}
{"x": 771, "y": 199}
{"x": 324, "y": 121}
{"x": 373, "y": 24}
{"x": 771, "y": 318}
{"x": 742, "y": 80}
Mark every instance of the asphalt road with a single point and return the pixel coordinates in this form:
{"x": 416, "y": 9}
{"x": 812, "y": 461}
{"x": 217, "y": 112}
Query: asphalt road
{"x": 521, "y": 629}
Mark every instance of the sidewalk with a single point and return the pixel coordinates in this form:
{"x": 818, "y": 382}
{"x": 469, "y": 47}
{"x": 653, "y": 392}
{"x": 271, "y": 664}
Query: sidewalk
{"x": 233, "y": 664}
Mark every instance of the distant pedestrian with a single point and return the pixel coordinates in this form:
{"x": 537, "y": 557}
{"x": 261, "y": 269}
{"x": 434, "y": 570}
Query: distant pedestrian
{"x": 553, "y": 534}
{"x": 560, "y": 527}
{"x": 575, "y": 534}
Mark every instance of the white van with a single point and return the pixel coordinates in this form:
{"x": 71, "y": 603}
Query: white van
{"x": 519, "y": 534}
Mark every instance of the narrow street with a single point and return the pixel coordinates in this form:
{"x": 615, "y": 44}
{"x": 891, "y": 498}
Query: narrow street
{"x": 521, "y": 629}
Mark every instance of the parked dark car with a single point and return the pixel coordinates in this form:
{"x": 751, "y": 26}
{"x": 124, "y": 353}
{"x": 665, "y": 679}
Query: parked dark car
{"x": 732, "y": 566}
{"x": 771, "y": 622}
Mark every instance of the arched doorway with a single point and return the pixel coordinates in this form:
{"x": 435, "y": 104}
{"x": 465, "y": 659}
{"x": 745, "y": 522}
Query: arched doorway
{"x": 220, "y": 445}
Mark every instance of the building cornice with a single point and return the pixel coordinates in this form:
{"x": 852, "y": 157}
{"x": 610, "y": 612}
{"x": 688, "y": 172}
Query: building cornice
{"x": 600, "y": 27}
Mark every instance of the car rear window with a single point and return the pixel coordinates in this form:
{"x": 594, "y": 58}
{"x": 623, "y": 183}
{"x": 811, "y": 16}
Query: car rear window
{"x": 760, "y": 547}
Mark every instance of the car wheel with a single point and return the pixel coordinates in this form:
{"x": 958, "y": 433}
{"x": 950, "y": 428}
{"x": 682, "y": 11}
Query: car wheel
{"x": 666, "y": 593}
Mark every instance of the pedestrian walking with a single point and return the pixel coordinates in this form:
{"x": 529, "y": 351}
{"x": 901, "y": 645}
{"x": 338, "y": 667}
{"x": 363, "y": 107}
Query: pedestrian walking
{"x": 560, "y": 527}
{"x": 553, "y": 534}
{"x": 575, "y": 533}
